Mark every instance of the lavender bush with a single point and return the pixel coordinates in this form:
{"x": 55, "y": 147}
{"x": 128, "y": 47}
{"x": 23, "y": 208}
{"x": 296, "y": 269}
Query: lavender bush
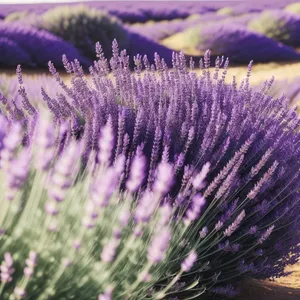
{"x": 234, "y": 41}
{"x": 83, "y": 27}
{"x": 278, "y": 25}
{"x": 150, "y": 185}
{"x": 161, "y": 30}
{"x": 32, "y": 47}
{"x": 12, "y": 54}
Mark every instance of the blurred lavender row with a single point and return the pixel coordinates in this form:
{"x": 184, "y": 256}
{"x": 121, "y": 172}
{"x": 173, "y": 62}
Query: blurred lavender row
{"x": 229, "y": 30}
{"x": 142, "y": 11}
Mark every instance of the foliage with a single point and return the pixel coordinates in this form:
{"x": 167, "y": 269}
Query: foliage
{"x": 83, "y": 27}
{"x": 207, "y": 172}
{"x": 278, "y": 25}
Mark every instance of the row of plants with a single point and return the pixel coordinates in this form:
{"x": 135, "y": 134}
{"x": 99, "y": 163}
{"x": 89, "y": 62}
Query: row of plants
{"x": 73, "y": 30}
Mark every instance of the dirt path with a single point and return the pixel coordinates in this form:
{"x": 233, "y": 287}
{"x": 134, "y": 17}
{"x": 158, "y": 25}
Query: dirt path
{"x": 254, "y": 290}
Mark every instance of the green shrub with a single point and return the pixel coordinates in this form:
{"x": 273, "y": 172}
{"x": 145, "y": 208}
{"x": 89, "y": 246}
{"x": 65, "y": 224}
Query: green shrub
{"x": 84, "y": 26}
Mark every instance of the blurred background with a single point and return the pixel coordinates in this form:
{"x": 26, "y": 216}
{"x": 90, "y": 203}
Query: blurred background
{"x": 266, "y": 31}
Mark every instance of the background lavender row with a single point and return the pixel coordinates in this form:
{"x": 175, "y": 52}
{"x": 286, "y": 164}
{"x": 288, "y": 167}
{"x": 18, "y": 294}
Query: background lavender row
{"x": 144, "y": 11}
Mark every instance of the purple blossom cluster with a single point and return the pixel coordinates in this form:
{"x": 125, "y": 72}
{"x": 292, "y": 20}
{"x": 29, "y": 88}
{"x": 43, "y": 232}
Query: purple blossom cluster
{"x": 203, "y": 176}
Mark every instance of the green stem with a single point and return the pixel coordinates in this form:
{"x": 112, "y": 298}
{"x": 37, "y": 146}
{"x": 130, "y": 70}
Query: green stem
{"x": 162, "y": 294}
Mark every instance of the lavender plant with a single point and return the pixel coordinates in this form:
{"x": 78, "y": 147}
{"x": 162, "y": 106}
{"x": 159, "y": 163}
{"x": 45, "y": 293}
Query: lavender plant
{"x": 83, "y": 27}
{"x": 150, "y": 185}
{"x": 278, "y": 25}
{"x": 32, "y": 47}
{"x": 232, "y": 40}
{"x": 12, "y": 53}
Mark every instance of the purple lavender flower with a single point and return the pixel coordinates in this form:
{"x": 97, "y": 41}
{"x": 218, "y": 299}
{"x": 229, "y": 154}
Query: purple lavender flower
{"x": 146, "y": 207}
{"x": 105, "y": 187}
{"x": 30, "y": 264}
{"x": 106, "y": 143}
{"x": 164, "y": 178}
{"x": 45, "y": 142}
{"x": 137, "y": 173}
{"x": 6, "y": 268}
{"x": 159, "y": 245}
{"x": 189, "y": 261}
{"x": 235, "y": 225}
{"x": 203, "y": 233}
{"x": 107, "y": 294}
{"x": 61, "y": 179}
{"x": 266, "y": 234}
{"x": 198, "y": 181}
{"x": 109, "y": 250}
{"x": 193, "y": 212}
{"x": 20, "y": 292}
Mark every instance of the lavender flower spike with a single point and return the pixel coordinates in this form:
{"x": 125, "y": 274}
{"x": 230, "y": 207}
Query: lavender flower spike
{"x": 159, "y": 245}
{"x": 107, "y": 294}
{"x": 106, "y": 143}
{"x": 6, "y": 268}
{"x": 234, "y": 226}
{"x": 193, "y": 212}
{"x": 137, "y": 173}
{"x": 145, "y": 208}
{"x": 188, "y": 263}
{"x": 198, "y": 181}
{"x": 109, "y": 251}
{"x": 164, "y": 178}
{"x": 266, "y": 234}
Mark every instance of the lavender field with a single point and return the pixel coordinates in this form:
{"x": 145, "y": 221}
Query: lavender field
{"x": 150, "y": 150}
